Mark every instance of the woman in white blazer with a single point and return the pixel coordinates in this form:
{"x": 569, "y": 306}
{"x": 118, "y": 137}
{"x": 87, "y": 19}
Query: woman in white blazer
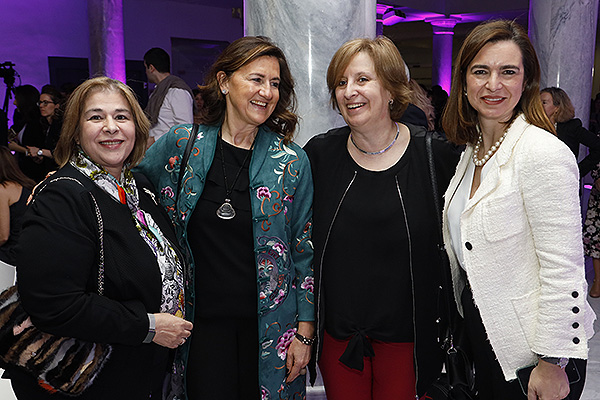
{"x": 512, "y": 222}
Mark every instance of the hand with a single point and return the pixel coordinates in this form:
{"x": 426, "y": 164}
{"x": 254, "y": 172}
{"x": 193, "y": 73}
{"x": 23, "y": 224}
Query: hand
{"x": 298, "y": 354}
{"x": 171, "y": 331}
{"x": 548, "y": 382}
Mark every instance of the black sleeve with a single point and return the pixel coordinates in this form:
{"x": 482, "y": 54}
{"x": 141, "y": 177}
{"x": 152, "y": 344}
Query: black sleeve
{"x": 57, "y": 267}
{"x": 592, "y": 142}
{"x": 446, "y": 158}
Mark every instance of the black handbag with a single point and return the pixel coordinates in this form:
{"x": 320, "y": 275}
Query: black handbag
{"x": 458, "y": 381}
{"x": 59, "y": 364}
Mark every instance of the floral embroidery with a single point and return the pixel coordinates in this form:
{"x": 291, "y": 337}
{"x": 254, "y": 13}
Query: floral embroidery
{"x": 279, "y": 248}
{"x": 279, "y": 297}
{"x": 173, "y": 161}
{"x": 308, "y": 283}
{"x": 264, "y": 393}
{"x": 280, "y": 285}
{"x": 167, "y": 192}
{"x": 283, "y": 343}
{"x": 273, "y": 272}
{"x": 263, "y": 192}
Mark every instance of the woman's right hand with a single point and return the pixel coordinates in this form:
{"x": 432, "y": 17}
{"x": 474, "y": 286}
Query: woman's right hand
{"x": 171, "y": 331}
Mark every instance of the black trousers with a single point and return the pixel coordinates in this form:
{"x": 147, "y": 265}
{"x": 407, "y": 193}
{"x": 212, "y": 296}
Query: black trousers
{"x": 223, "y": 360}
{"x": 489, "y": 379}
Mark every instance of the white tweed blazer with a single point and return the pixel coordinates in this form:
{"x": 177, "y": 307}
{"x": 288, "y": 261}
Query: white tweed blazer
{"x": 523, "y": 250}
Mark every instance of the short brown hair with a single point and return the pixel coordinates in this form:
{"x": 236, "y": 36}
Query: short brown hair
{"x": 241, "y": 52}
{"x": 459, "y": 119}
{"x": 565, "y": 110}
{"x": 389, "y": 67}
{"x": 67, "y": 145}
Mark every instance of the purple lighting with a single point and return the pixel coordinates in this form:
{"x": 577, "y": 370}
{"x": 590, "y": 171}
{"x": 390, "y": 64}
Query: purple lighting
{"x": 443, "y": 29}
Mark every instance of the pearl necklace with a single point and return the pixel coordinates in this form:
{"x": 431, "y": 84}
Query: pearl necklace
{"x": 375, "y": 153}
{"x": 480, "y": 162}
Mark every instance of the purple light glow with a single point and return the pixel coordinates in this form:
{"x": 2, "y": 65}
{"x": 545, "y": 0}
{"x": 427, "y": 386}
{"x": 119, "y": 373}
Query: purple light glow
{"x": 442, "y": 61}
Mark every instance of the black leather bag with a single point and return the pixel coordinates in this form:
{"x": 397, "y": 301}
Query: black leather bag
{"x": 458, "y": 381}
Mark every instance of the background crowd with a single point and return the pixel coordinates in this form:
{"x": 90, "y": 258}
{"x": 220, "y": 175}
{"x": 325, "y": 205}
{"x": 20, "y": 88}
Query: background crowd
{"x": 230, "y": 260}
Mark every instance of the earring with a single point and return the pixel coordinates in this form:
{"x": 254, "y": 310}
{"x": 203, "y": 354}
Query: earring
{"x": 224, "y": 91}
{"x": 465, "y": 93}
{"x": 391, "y": 103}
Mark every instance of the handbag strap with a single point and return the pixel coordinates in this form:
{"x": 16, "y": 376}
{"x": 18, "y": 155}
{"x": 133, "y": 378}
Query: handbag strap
{"x": 183, "y": 165}
{"x": 100, "y": 225}
{"x": 438, "y": 213}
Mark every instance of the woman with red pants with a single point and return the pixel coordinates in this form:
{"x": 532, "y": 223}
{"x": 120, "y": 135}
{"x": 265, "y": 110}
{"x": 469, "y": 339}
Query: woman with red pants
{"x": 375, "y": 233}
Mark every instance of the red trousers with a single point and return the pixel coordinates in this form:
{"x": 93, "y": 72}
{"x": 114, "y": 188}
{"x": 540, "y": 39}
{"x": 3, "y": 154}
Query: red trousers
{"x": 389, "y": 375}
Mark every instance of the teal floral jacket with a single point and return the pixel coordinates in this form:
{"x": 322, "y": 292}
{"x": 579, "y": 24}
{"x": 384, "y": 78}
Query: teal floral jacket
{"x": 281, "y": 192}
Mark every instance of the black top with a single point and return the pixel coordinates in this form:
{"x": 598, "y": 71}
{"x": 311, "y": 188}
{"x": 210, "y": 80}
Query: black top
{"x": 223, "y": 249}
{"x": 367, "y": 262}
{"x": 57, "y": 266}
{"x": 572, "y": 133}
{"x": 32, "y": 136}
{"x": 52, "y": 134}
{"x": 327, "y": 153}
{"x": 17, "y": 209}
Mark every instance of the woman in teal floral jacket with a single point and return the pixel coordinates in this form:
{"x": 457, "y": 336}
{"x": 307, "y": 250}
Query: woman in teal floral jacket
{"x": 244, "y": 215}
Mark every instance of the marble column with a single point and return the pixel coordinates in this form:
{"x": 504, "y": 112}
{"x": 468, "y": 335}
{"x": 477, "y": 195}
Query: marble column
{"x": 107, "y": 46}
{"x": 310, "y": 32}
{"x": 563, "y": 33}
{"x": 443, "y": 31}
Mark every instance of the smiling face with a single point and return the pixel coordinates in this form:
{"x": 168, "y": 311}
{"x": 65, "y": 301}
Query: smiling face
{"x": 107, "y": 130}
{"x": 252, "y": 92}
{"x": 360, "y": 95}
{"x": 548, "y": 104}
{"x": 495, "y": 81}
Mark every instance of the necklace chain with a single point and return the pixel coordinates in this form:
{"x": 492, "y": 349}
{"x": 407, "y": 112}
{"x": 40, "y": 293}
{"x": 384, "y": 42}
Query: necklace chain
{"x": 480, "y": 162}
{"x": 376, "y": 153}
{"x": 226, "y": 210}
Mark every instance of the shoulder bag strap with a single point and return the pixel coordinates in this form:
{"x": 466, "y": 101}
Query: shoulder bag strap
{"x": 438, "y": 213}
{"x": 100, "y": 225}
{"x": 183, "y": 165}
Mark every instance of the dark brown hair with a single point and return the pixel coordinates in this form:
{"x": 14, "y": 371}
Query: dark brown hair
{"x": 560, "y": 99}
{"x": 10, "y": 172}
{"x": 459, "y": 119}
{"x": 241, "y": 52}
{"x": 58, "y": 100}
{"x": 67, "y": 145}
{"x": 389, "y": 67}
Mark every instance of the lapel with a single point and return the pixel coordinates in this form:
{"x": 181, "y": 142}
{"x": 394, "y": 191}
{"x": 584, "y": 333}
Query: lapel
{"x": 209, "y": 135}
{"x": 262, "y": 143}
{"x": 492, "y": 179}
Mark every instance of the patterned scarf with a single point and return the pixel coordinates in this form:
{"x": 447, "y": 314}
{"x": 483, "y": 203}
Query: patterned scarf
{"x": 125, "y": 192}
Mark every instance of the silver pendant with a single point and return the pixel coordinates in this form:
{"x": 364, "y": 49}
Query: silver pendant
{"x": 226, "y": 210}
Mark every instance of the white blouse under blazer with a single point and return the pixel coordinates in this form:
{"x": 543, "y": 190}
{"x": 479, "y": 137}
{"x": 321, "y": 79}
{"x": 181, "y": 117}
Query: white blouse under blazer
{"x": 523, "y": 252}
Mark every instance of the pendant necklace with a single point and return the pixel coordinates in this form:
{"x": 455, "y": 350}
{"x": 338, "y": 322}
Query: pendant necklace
{"x": 226, "y": 211}
{"x": 376, "y": 153}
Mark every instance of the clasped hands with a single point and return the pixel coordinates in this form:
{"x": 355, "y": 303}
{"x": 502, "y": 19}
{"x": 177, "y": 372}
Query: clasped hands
{"x": 171, "y": 331}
